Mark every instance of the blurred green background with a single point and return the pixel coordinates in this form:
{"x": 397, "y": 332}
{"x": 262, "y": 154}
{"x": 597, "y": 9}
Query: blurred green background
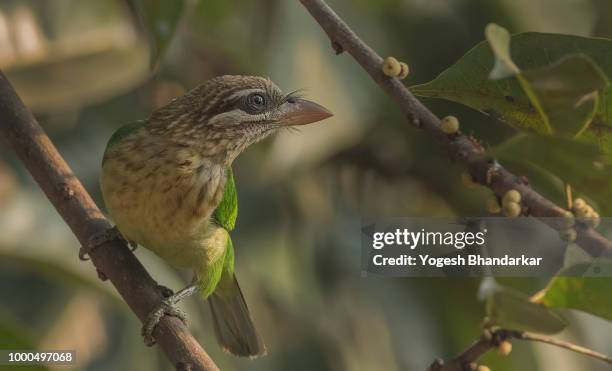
{"x": 83, "y": 68}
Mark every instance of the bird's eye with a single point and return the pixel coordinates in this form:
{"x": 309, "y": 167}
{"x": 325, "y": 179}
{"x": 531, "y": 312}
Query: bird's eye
{"x": 256, "y": 101}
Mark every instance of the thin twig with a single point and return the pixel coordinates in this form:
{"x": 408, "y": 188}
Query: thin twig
{"x": 113, "y": 259}
{"x": 463, "y": 148}
{"x": 562, "y": 344}
{"x": 468, "y": 356}
{"x": 483, "y": 345}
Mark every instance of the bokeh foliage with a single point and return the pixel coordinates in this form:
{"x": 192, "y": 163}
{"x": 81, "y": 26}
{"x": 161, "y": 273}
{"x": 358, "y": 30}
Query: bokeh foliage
{"x": 301, "y": 195}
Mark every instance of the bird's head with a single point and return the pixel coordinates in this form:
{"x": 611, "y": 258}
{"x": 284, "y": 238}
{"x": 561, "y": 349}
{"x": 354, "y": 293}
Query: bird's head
{"x": 228, "y": 113}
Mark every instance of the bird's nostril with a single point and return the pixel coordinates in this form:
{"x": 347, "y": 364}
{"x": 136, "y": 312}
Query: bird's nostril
{"x": 291, "y": 100}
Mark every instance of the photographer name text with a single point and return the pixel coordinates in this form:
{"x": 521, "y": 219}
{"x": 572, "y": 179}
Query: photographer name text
{"x": 412, "y": 240}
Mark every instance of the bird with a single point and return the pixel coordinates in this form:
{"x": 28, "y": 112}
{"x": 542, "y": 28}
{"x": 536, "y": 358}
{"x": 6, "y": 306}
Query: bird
{"x": 167, "y": 182}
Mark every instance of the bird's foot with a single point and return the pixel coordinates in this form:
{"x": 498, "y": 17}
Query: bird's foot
{"x": 166, "y": 307}
{"x": 100, "y": 238}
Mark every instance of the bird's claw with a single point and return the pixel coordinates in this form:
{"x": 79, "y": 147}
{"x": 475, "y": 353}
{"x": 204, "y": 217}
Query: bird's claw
{"x": 166, "y": 307}
{"x": 100, "y": 238}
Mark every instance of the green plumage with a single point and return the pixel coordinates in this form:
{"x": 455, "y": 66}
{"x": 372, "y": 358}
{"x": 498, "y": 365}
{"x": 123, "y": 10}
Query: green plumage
{"x": 227, "y": 305}
{"x": 220, "y": 275}
{"x": 226, "y": 213}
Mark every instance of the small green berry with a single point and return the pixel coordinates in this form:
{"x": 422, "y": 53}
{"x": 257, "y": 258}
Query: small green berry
{"x": 504, "y": 348}
{"x": 579, "y": 203}
{"x": 583, "y": 212}
{"x": 391, "y": 67}
{"x": 594, "y": 220}
{"x": 512, "y": 209}
{"x": 512, "y": 196}
{"x": 404, "y": 71}
{"x": 450, "y": 125}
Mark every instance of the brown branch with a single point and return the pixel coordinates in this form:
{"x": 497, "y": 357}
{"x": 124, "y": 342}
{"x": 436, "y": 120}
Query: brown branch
{"x": 483, "y": 345}
{"x": 462, "y": 148}
{"x": 113, "y": 259}
{"x": 466, "y": 358}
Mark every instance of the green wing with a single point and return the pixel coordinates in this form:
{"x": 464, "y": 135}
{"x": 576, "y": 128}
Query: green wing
{"x": 227, "y": 211}
{"x": 121, "y": 133}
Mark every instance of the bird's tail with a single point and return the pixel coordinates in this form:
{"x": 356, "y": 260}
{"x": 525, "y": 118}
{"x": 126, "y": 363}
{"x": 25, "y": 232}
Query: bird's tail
{"x": 233, "y": 324}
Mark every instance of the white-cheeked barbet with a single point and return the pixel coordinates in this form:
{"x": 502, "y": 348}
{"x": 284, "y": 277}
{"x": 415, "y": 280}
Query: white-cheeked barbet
{"x": 167, "y": 182}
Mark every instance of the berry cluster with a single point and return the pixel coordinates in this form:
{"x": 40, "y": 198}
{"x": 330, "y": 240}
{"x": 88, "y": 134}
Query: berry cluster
{"x": 510, "y": 205}
{"x": 585, "y": 213}
{"x": 394, "y": 68}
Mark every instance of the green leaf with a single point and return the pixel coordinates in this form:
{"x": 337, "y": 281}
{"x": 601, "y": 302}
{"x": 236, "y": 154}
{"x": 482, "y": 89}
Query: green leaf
{"x": 511, "y": 309}
{"x": 572, "y": 161}
{"x": 539, "y": 177}
{"x": 587, "y": 294}
{"x": 499, "y": 39}
{"x": 160, "y": 19}
{"x": 600, "y": 130}
{"x": 545, "y": 61}
{"x": 566, "y": 93}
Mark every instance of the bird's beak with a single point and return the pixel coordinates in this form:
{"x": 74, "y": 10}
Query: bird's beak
{"x": 302, "y": 112}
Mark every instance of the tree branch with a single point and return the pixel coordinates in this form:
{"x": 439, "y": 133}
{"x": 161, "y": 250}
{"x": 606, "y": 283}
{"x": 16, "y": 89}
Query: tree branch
{"x": 462, "y": 148}
{"x": 113, "y": 259}
{"x": 483, "y": 345}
